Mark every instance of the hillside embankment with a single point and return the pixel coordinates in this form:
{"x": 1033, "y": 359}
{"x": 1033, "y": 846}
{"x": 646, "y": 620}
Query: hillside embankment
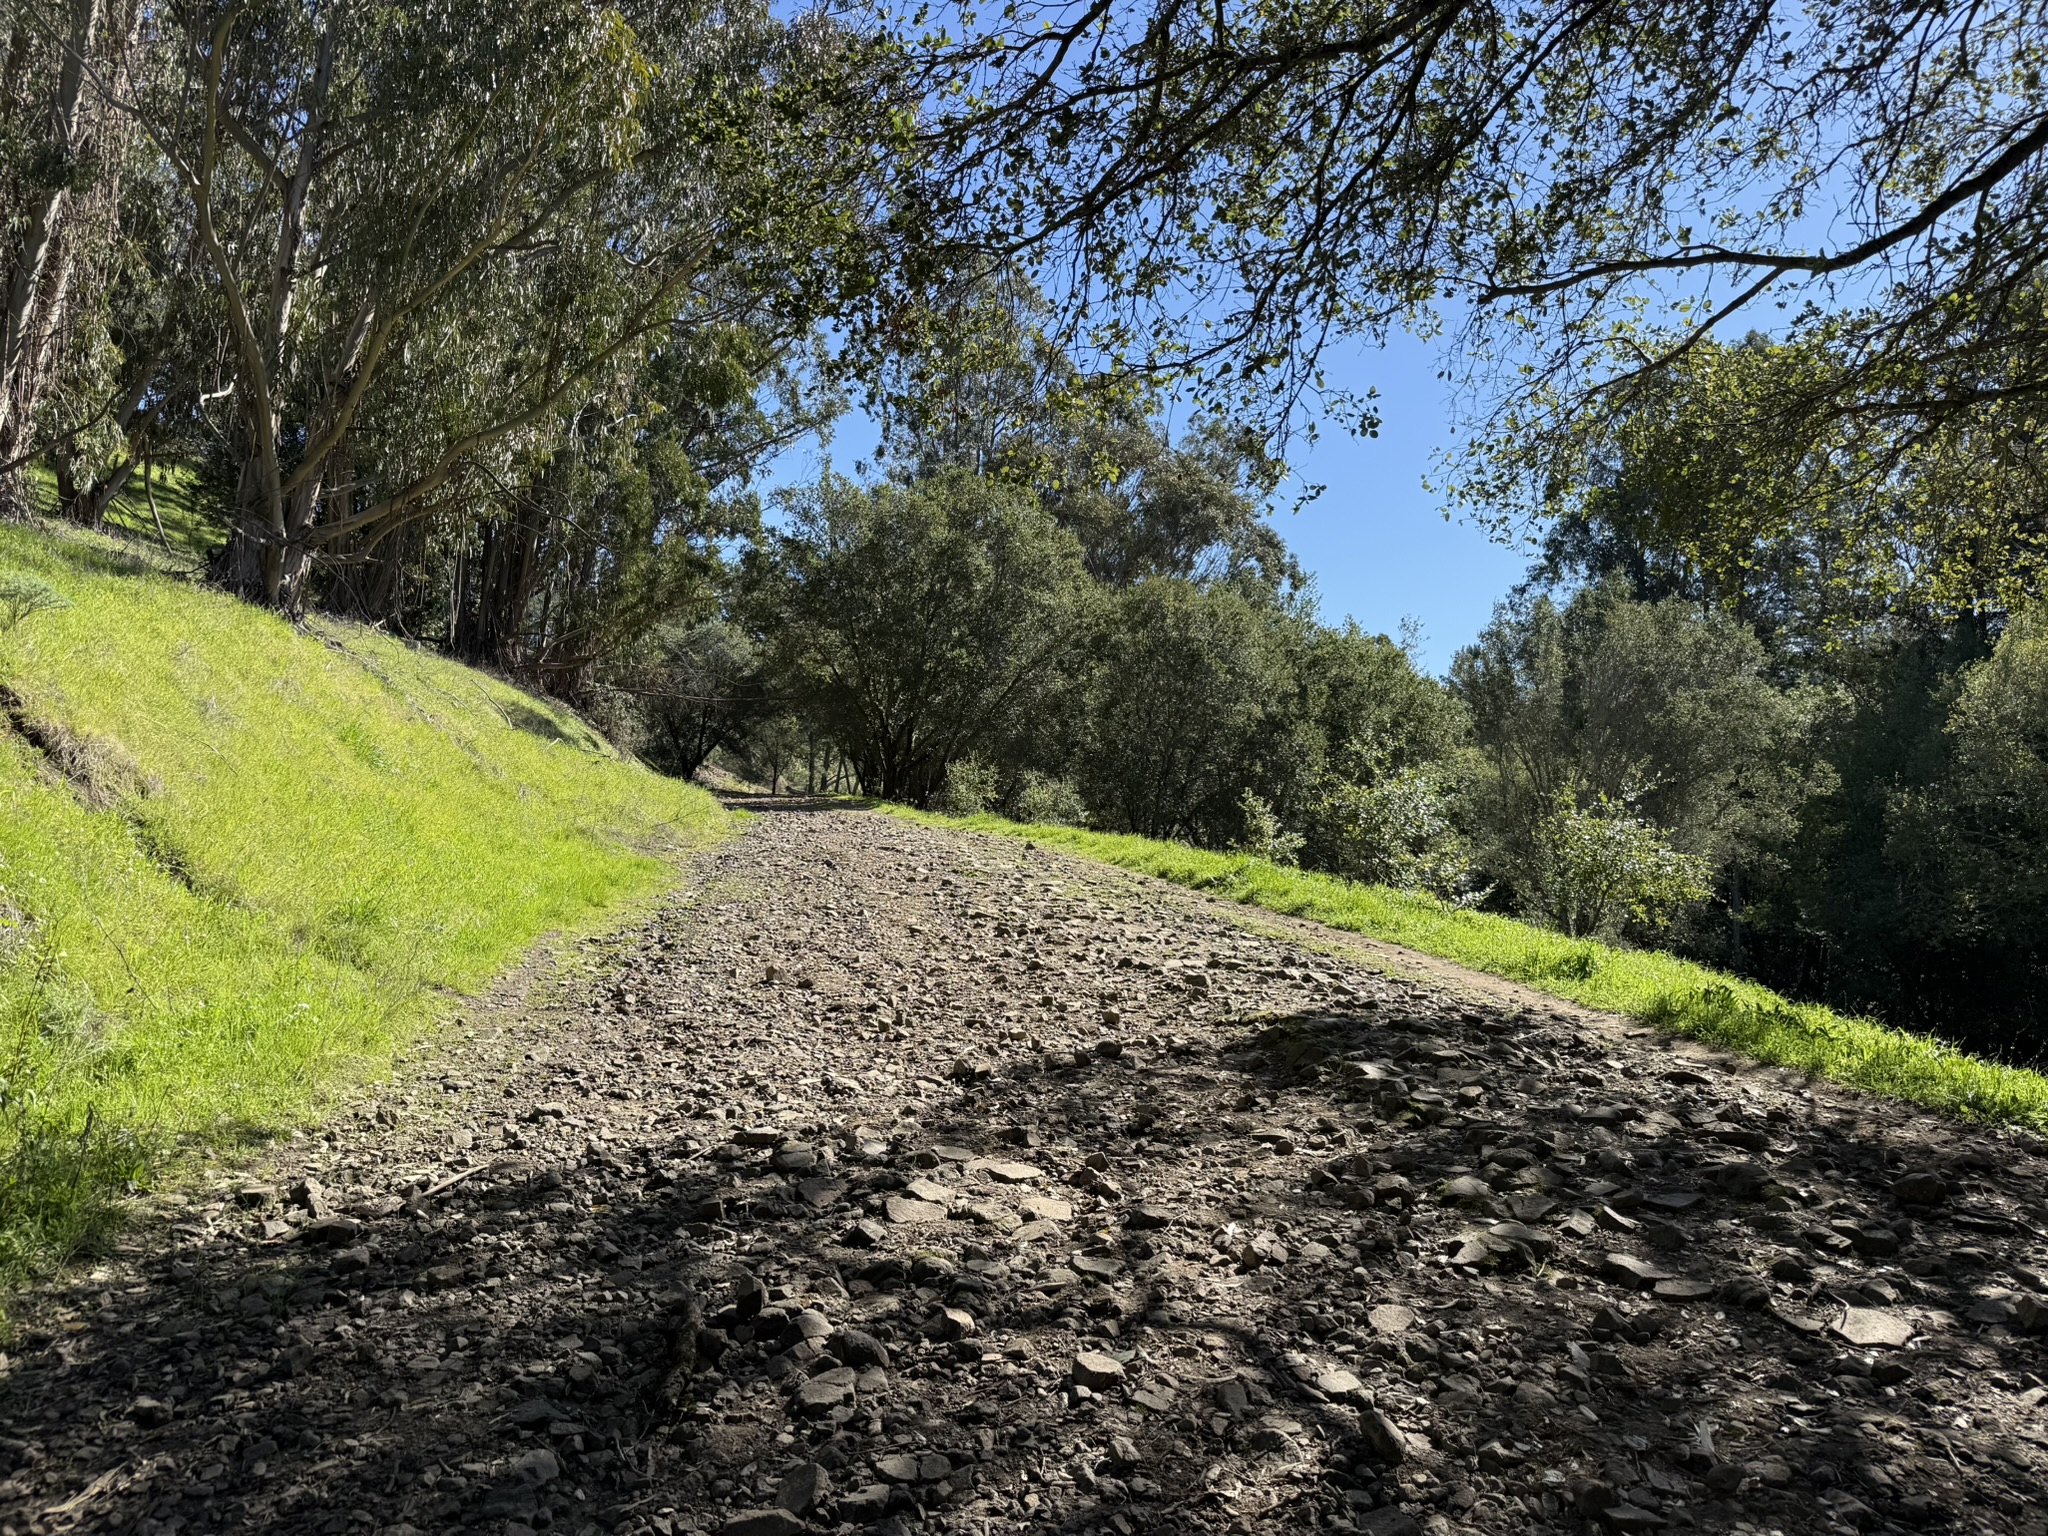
{"x": 242, "y": 862}
{"x": 894, "y": 1177}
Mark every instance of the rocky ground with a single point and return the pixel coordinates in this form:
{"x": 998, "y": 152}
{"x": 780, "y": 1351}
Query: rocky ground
{"x": 891, "y": 1178}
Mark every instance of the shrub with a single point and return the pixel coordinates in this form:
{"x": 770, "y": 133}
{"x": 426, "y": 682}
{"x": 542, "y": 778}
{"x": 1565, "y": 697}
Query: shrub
{"x": 22, "y": 595}
{"x": 1264, "y": 836}
{"x": 1390, "y": 827}
{"x": 969, "y": 787}
{"x": 1599, "y": 867}
{"x": 1046, "y": 801}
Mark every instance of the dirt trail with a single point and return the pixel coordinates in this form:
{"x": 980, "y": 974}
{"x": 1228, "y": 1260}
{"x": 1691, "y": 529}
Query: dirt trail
{"x": 891, "y": 1178}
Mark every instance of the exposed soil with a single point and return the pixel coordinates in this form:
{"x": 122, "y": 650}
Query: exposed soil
{"x": 892, "y": 1178}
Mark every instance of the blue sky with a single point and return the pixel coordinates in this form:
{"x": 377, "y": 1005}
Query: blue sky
{"x": 1376, "y": 541}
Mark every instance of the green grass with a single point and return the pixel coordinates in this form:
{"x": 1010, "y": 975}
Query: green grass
{"x": 1657, "y": 988}
{"x": 187, "y": 535}
{"x": 241, "y": 863}
{"x": 177, "y": 505}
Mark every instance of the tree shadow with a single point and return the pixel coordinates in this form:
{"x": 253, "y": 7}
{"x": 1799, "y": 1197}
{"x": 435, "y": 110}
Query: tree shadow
{"x": 623, "y": 1338}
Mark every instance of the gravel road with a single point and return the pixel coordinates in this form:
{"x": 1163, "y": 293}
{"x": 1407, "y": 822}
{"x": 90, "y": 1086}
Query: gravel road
{"x": 891, "y": 1178}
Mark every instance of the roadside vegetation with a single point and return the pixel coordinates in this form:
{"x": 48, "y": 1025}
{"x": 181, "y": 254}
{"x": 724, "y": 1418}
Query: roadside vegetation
{"x": 242, "y": 863}
{"x": 1657, "y": 988}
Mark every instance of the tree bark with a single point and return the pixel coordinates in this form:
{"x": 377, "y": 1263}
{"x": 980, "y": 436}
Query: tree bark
{"x": 25, "y": 359}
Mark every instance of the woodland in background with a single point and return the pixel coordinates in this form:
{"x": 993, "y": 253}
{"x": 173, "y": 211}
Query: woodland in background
{"x": 477, "y": 323}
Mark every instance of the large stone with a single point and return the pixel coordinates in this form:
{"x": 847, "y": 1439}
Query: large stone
{"x": 802, "y": 1490}
{"x": 808, "y": 1324}
{"x": 1382, "y": 1437}
{"x": 1539, "y": 1243}
{"x": 1391, "y": 1318}
{"x": 1096, "y": 1371}
{"x": 1339, "y": 1383}
{"x": 1873, "y": 1328}
{"x": 538, "y": 1467}
{"x": 1007, "y": 1173}
{"x": 762, "y": 1522}
{"x": 1738, "y": 1181}
{"x": 1046, "y": 1208}
{"x": 1682, "y": 1290}
{"x": 909, "y": 1213}
{"x": 1627, "y": 1269}
{"x": 852, "y": 1347}
{"x": 819, "y": 1193}
{"x": 824, "y": 1392}
{"x": 1388, "y": 1520}
{"x": 1921, "y": 1187}
{"x": 863, "y": 1505}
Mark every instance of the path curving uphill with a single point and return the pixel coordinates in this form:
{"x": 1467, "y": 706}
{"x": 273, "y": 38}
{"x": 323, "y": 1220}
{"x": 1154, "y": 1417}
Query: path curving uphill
{"x": 896, "y": 1178}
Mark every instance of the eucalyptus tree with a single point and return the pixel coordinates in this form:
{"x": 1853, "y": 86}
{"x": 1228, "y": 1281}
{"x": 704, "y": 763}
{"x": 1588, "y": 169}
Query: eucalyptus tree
{"x": 61, "y": 150}
{"x": 463, "y": 223}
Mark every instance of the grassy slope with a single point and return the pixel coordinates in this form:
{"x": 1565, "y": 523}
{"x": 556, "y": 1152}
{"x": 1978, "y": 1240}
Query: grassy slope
{"x": 186, "y": 534}
{"x": 1657, "y": 988}
{"x": 309, "y": 838}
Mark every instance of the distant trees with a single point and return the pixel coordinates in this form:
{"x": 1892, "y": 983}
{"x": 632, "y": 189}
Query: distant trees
{"x": 1661, "y": 707}
{"x": 700, "y": 688}
{"x": 1180, "y": 698}
{"x": 916, "y": 623}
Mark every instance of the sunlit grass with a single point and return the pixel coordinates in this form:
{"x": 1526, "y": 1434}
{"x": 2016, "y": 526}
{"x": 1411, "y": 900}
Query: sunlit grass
{"x": 177, "y": 529}
{"x": 311, "y": 841}
{"x": 1657, "y": 988}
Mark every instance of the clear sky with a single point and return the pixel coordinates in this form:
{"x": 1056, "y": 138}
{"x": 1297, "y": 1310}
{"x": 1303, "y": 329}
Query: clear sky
{"x": 1375, "y": 540}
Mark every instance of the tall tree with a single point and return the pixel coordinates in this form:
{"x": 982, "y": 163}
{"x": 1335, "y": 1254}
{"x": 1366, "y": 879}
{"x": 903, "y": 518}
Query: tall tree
{"x": 466, "y": 222}
{"x": 60, "y": 152}
{"x": 913, "y": 623}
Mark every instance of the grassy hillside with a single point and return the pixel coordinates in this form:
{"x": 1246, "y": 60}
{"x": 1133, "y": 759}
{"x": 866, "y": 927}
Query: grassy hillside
{"x": 240, "y": 862}
{"x": 175, "y": 526}
{"x": 1657, "y": 988}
